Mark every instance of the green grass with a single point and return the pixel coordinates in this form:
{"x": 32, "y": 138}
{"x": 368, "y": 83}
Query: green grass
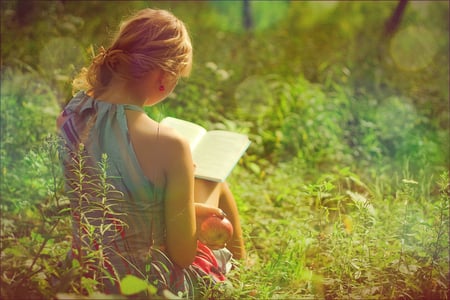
{"x": 344, "y": 191}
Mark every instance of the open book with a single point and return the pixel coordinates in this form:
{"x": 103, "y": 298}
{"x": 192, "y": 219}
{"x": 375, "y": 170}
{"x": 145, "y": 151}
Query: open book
{"x": 215, "y": 153}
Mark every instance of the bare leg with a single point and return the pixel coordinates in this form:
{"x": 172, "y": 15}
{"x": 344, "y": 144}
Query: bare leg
{"x": 228, "y": 204}
{"x": 220, "y": 195}
{"x": 207, "y": 192}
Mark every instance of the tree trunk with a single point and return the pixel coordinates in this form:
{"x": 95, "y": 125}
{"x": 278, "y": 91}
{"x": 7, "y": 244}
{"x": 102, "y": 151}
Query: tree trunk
{"x": 393, "y": 22}
{"x": 247, "y": 15}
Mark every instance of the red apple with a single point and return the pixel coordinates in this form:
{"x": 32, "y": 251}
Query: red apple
{"x": 215, "y": 232}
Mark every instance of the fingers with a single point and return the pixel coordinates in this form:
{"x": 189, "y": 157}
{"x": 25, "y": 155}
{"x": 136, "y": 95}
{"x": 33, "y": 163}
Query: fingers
{"x": 204, "y": 210}
{"x": 222, "y": 214}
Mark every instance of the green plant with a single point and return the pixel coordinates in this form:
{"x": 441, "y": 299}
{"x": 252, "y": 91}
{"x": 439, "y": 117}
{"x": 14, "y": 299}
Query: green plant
{"x": 95, "y": 212}
{"x": 33, "y": 233}
{"x": 434, "y": 257}
{"x": 342, "y": 237}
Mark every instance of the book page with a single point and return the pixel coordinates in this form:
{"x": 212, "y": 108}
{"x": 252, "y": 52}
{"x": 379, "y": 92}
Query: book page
{"x": 217, "y": 153}
{"x": 190, "y": 131}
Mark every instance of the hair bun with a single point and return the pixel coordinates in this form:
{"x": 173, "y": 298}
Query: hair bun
{"x": 109, "y": 57}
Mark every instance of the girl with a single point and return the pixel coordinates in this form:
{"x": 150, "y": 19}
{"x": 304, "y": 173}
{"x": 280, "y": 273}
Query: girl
{"x": 134, "y": 200}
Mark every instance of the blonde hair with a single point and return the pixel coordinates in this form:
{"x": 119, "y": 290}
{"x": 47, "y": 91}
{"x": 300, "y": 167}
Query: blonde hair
{"x": 148, "y": 40}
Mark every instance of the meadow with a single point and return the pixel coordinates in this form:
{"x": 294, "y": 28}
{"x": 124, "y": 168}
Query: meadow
{"x": 344, "y": 191}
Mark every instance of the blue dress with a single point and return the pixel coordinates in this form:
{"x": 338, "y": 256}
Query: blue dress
{"x": 118, "y": 221}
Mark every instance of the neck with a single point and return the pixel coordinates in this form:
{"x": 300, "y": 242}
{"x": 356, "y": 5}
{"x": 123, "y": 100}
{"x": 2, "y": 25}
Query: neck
{"x": 119, "y": 92}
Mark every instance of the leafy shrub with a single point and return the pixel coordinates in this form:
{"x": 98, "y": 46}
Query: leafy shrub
{"x": 34, "y": 224}
{"x": 391, "y": 131}
{"x": 35, "y": 180}
{"x": 314, "y": 124}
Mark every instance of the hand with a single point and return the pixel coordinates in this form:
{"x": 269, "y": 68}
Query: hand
{"x": 203, "y": 211}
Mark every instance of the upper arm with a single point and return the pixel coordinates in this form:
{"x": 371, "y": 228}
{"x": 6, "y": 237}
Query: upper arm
{"x": 180, "y": 217}
{"x": 166, "y": 160}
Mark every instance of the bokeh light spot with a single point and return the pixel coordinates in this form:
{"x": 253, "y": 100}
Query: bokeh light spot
{"x": 413, "y": 48}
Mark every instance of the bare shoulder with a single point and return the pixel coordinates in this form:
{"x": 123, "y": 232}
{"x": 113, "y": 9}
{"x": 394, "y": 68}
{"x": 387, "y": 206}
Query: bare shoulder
{"x": 170, "y": 140}
{"x": 157, "y": 145}
{"x": 147, "y": 131}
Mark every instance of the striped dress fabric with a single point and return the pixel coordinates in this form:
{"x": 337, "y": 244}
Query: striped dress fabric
{"x": 117, "y": 213}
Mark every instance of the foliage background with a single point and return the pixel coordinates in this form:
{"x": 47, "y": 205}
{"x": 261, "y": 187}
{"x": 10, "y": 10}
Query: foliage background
{"x": 348, "y": 169}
